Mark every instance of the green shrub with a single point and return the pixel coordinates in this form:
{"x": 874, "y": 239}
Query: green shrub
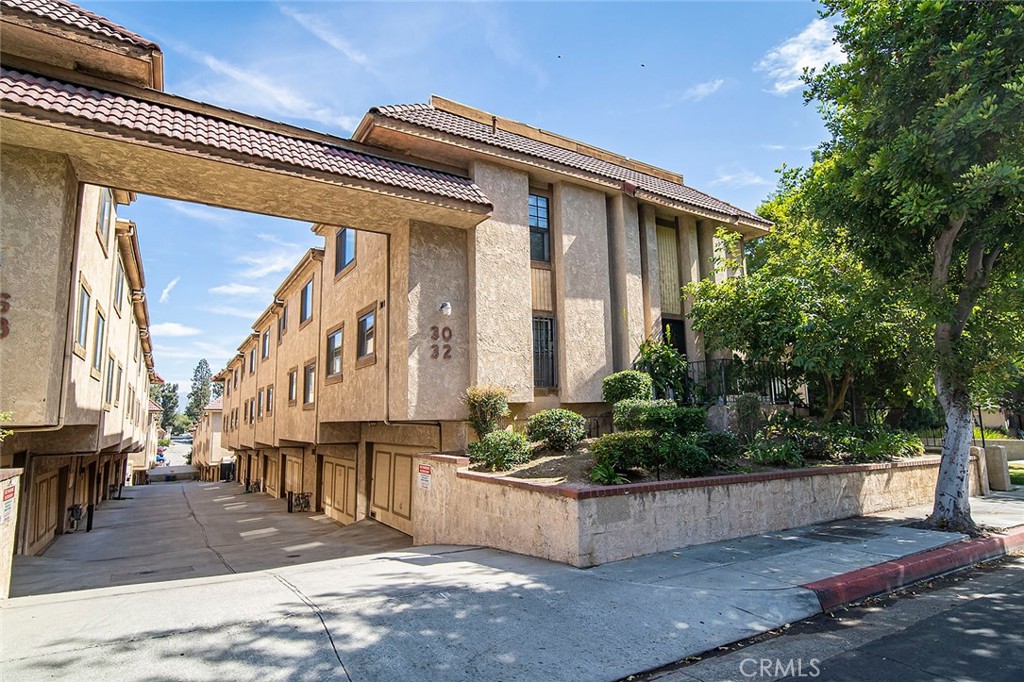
{"x": 628, "y": 384}
{"x": 165, "y": 442}
{"x": 665, "y": 365}
{"x": 487, "y": 405}
{"x": 749, "y": 416}
{"x": 722, "y": 447}
{"x": 626, "y": 450}
{"x": 681, "y": 455}
{"x": 605, "y": 474}
{"x": 888, "y": 445}
{"x": 561, "y": 430}
{"x": 631, "y": 414}
{"x": 767, "y": 453}
{"x": 500, "y": 450}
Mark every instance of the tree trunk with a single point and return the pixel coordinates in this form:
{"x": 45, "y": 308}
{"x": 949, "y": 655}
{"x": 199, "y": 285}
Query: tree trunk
{"x": 952, "y": 509}
{"x": 836, "y": 401}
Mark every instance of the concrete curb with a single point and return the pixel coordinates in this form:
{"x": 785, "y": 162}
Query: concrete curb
{"x": 892, "y": 575}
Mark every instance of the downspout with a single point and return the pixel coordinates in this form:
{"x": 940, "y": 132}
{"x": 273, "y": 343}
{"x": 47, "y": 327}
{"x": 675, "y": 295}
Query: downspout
{"x": 387, "y": 340}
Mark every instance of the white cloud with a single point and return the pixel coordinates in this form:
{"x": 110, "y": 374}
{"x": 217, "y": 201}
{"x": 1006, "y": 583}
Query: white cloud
{"x": 702, "y": 90}
{"x": 739, "y": 178}
{"x": 207, "y": 215}
{"x": 316, "y": 26}
{"x": 250, "y": 315}
{"x": 811, "y": 48}
{"x": 773, "y": 147}
{"x": 173, "y": 329}
{"x": 263, "y": 264}
{"x": 166, "y": 293}
{"x": 236, "y": 289}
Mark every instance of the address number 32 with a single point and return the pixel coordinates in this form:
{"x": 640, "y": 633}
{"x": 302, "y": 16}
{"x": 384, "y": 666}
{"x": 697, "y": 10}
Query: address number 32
{"x": 440, "y": 350}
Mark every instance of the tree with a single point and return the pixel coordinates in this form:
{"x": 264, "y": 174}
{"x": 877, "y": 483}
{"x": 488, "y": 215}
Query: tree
{"x": 809, "y": 302}
{"x": 165, "y": 395}
{"x": 924, "y": 177}
{"x": 199, "y": 396}
{"x": 216, "y": 390}
{"x": 181, "y": 424}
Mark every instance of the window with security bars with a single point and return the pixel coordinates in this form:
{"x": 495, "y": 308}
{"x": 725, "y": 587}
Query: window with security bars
{"x": 544, "y": 352}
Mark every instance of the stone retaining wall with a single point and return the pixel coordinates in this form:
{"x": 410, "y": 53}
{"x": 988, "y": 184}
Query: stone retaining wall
{"x": 592, "y": 525}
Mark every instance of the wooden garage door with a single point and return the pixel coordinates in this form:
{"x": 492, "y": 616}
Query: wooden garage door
{"x": 273, "y": 479}
{"x": 339, "y": 489}
{"x": 292, "y": 474}
{"x": 43, "y": 510}
{"x": 391, "y": 499}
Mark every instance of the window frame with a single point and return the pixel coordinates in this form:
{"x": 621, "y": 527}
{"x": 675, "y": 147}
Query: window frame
{"x": 553, "y": 386}
{"x": 104, "y": 215}
{"x": 334, "y": 377}
{"x": 252, "y": 360}
{"x": 259, "y": 405}
{"x": 119, "y": 285}
{"x": 270, "y": 400}
{"x": 309, "y": 386}
{"x": 282, "y": 323}
{"x": 117, "y": 388}
{"x": 341, "y": 269}
{"x": 370, "y": 358}
{"x": 293, "y": 386}
{"x": 265, "y": 344}
{"x": 536, "y": 229}
{"x": 99, "y": 341}
{"x": 303, "y": 321}
{"x": 108, "y": 388}
{"x": 82, "y": 323}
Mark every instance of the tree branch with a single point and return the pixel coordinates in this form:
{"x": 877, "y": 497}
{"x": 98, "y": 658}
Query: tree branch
{"x": 943, "y": 250}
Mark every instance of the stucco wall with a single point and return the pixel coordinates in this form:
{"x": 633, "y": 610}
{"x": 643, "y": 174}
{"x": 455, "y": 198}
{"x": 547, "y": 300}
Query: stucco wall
{"x": 39, "y": 199}
{"x": 266, "y": 376}
{"x": 1014, "y": 448}
{"x": 501, "y": 329}
{"x": 592, "y": 525}
{"x": 438, "y": 349}
{"x": 300, "y": 344}
{"x": 582, "y": 293}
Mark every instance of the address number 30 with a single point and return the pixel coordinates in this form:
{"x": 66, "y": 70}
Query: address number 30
{"x": 440, "y": 350}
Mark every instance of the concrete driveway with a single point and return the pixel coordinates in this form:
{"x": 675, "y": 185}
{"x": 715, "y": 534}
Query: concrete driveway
{"x": 383, "y": 612}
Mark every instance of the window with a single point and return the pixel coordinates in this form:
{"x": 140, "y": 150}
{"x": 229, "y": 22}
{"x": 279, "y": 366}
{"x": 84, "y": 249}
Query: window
{"x": 282, "y": 322}
{"x": 117, "y": 389}
{"x": 252, "y": 360}
{"x": 97, "y": 351}
{"x": 540, "y": 237}
{"x": 306, "y": 302}
{"x": 334, "y": 340}
{"x": 365, "y": 333}
{"x": 266, "y": 344}
{"x": 108, "y": 394}
{"x": 544, "y": 352}
{"x": 227, "y": 388}
{"x": 293, "y": 385}
{"x": 135, "y": 348}
{"x": 130, "y": 403}
{"x": 270, "y": 400}
{"x": 344, "y": 249}
{"x": 252, "y": 411}
{"x": 236, "y": 377}
{"x": 119, "y": 285}
{"x": 103, "y": 216}
{"x": 82, "y": 331}
{"x": 259, "y": 408}
{"x": 245, "y": 411}
{"x": 308, "y": 377}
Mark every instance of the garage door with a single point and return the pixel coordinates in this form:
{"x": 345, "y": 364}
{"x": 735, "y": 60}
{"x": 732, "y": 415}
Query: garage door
{"x": 391, "y": 499}
{"x": 292, "y": 474}
{"x": 273, "y": 478}
{"x": 43, "y": 512}
{"x": 339, "y": 489}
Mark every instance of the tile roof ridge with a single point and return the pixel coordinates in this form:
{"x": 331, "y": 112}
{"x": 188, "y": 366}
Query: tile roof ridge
{"x": 113, "y": 30}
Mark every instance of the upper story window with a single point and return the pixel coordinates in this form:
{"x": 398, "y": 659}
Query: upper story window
{"x": 266, "y": 344}
{"x": 306, "y": 302}
{"x": 334, "y": 341}
{"x": 97, "y": 351}
{"x": 119, "y": 286}
{"x": 540, "y": 236}
{"x": 293, "y": 386}
{"x": 236, "y": 377}
{"x": 104, "y": 216}
{"x": 366, "y": 332}
{"x": 344, "y": 249}
{"x": 270, "y": 400}
{"x": 108, "y": 396}
{"x": 308, "y": 381}
{"x": 252, "y": 360}
{"x": 282, "y": 322}
{"x": 259, "y": 408}
{"x": 82, "y": 330}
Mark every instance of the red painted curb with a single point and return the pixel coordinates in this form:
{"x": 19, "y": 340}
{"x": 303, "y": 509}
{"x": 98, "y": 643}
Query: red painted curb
{"x": 891, "y": 575}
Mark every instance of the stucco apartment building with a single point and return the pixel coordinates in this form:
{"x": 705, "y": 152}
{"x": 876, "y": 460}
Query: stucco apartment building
{"x": 460, "y": 248}
{"x": 207, "y": 452}
{"x": 351, "y": 370}
{"x": 76, "y": 361}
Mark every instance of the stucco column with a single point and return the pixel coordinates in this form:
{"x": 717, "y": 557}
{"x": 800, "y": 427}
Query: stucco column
{"x": 709, "y": 247}
{"x": 650, "y": 283}
{"x": 689, "y": 264}
{"x": 617, "y": 279}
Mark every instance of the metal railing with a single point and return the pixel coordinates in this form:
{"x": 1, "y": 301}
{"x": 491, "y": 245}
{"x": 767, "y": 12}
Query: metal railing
{"x": 710, "y": 382}
{"x": 908, "y": 419}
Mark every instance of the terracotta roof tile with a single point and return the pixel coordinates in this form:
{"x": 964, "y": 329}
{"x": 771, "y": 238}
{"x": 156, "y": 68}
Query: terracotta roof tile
{"x": 211, "y": 134}
{"x": 215, "y": 404}
{"x": 72, "y": 15}
{"x": 427, "y": 116}
{"x": 155, "y": 406}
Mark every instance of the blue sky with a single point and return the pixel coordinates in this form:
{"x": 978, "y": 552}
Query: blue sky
{"x": 708, "y": 89}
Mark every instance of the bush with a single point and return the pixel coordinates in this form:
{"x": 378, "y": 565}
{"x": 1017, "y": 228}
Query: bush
{"x": 682, "y": 455}
{"x": 628, "y": 384}
{"x": 487, "y": 405}
{"x": 749, "y": 416}
{"x": 767, "y": 453}
{"x": 164, "y": 442}
{"x": 626, "y": 450}
{"x": 500, "y": 450}
{"x": 889, "y": 445}
{"x": 561, "y": 430}
{"x": 604, "y": 474}
{"x": 631, "y": 414}
{"x": 665, "y": 365}
{"x": 663, "y": 416}
{"x": 722, "y": 447}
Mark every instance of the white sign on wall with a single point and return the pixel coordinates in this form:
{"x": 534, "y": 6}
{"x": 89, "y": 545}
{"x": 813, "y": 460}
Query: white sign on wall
{"x": 425, "y": 473}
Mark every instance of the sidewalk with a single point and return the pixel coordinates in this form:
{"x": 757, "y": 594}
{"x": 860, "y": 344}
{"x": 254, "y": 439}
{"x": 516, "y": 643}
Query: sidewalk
{"x": 452, "y": 613}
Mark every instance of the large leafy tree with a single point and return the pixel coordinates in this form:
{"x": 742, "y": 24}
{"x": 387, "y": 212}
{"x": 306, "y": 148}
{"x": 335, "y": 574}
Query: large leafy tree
{"x": 199, "y": 396}
{"x": 811, "y": 302}
{"x": 166, "y": 396}
{"x": 924, "y": 177}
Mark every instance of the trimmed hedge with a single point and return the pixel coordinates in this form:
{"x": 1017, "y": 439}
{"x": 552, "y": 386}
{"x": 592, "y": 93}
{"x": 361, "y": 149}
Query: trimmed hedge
{"x": 561, "y": 430}
{"x": 487, "y": 406}
{"x": 631, "y": 414}
{"x": 625, "y": 385}
{"x": 682, "y": 455}
{"x": 663, "y": 416}
{"x": 500, "y": 450}
{"x": 626, "y": 450}
{"x": 723, "y": 447}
